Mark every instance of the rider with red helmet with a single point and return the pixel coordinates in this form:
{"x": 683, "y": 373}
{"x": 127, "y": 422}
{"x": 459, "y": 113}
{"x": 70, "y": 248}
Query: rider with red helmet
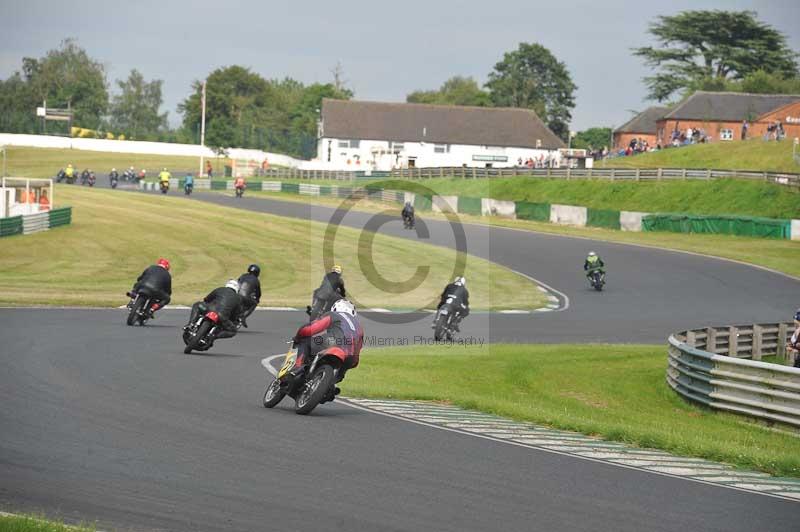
{"x": 156, "y": 281}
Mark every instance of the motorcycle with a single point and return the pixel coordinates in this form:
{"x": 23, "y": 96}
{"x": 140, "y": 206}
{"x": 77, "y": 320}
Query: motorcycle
{"x": 187, "y": 189}
{"x": 320, "y": 305}
{"x": 84, "y": 177}
{"x": 164, "y": 187}
{"x": 129, "y": 176}
{"x": 315, "y": 385}
{"x": 139, "y": 308}
{"x": 200, "y": 335}
{"x": 445, "y": 321}
{"x": 114, "y": 181}
{"x": 239, "y": 192}
{"x": 91, "y": 179}
{"x": 60, "y": 176}
{"x": 597, "y": 279}
{"x": 408, "y": 222}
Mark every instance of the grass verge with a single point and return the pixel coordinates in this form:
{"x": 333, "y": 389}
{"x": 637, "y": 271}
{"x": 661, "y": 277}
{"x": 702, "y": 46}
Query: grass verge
{"x": 31, "y": 523}
{"x": 719, "y": 196}
{"x": 115, "y": 235}
{"x": 45, "y": 162}
{"x": 617, "y": 392}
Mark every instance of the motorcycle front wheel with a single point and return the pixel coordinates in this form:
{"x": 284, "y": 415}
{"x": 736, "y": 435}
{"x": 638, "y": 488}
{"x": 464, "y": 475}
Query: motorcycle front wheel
{"x": 273, "y": 394}
{"x": 314, "y": 390}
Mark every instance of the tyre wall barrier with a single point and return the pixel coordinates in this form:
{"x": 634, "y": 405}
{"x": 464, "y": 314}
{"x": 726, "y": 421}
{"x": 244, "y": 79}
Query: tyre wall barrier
{"x": 795, "y": 230}
{"x": 271, "y": 186}
{"x": 507, "y": 209}
{"x": 710, "y": 366}
{"x": 631, "y": 220}
{"x": 568, "y": 215}
{"x": 308, "y": 190}
{"x": 33, "y": 223}
{"x": 444, "y": 203}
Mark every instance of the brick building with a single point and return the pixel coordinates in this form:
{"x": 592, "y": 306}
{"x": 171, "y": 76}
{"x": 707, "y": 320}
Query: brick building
{"x": 642, "y": 126}
{"x": 720, "y": 115}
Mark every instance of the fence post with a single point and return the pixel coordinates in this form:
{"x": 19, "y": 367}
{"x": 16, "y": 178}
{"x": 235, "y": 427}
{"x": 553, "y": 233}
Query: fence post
{"x": 548, "y": 172}
{"x": 613, "y": 174}
{"x": 463, "y": 172}
{"x": 441, "y": 172}
{"x": 783, "y": 332}
{"x": 683, "y": 174}
{"x": 658, "y": 175}
{"x": 708, "y": 173}
{"x": 638, "y": 174}
{"x": 757, "y": 341}
{"x": 711, "y": 340}
{"x": 569, "y": 172}
{"x": 474, "y": 172}
{"x": 691, "y": 339}
{"x": 733, "y": 341}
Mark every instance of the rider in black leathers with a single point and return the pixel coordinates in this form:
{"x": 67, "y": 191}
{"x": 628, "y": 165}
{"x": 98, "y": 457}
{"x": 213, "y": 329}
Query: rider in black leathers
{"x": 156, "y": 282}
{"x": 457, "y": 290}
{"x": 408, "y": 213}
{"x": 250, "y": 291}
{"x": 329, "y": 292}
{"x": 226, "y": 302}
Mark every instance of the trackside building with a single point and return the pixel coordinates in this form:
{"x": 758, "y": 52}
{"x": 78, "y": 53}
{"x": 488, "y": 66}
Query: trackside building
{"x": 643, "y": 126}
{"x": 358, "y": 135}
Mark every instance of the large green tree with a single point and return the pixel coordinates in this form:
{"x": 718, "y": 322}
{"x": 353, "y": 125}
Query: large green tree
{"x": 135, "y": 110}
{"x": 531, "y": 77}
{"x": 594, "y": 137}
{"x": 709, "y": 47}
{"x": 457, "y": 90}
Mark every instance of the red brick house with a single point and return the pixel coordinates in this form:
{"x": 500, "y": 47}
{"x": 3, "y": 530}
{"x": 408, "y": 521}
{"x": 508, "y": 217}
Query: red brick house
{"x": 720, "y": 115}
{"x": 643, "y": 126}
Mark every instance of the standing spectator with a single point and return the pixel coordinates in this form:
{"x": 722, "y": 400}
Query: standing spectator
{"x": 209, "y": 169}
{"x": 689, "y": 134}
{"x": 44, "y": 203}
{"x": 793, "y": 344}
{"x": 745, "y": 127}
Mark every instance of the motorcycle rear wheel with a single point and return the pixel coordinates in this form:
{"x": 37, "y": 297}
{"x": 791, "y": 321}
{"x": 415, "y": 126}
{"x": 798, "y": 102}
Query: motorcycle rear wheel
{"x": 273, "y": 394}
{"x": 201, "y": 333}
{"x": 441, "y": 328}
{"x": 314, "y": 390}
{"x": 133, "y": 315}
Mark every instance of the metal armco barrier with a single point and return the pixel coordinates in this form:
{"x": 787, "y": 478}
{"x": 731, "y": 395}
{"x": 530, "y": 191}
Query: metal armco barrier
{"x": 630, "y": 174}
{"x": 33, "y": 223}
{"x": 710, "y": 366}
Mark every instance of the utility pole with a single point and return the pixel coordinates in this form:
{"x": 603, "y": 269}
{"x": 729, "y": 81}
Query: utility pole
{"x": 202, "y": 126}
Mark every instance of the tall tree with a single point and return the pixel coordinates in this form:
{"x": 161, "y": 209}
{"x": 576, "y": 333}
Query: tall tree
{"x": 712, "y": 46}
{"x": 68, "y": 75}
{"x": 594, "y": 137}
{"x": 457, "y": 90}
{"x": 134, "y": 111}
{"x": 533, "y": 78}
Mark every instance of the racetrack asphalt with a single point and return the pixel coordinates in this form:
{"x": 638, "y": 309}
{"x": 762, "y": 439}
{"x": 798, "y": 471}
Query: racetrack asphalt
{"x": 112, "y": 423}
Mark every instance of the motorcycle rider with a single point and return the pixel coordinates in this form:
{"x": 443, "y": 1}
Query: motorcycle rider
{"x": 593, "y": 263}
{"x": 69, "y": 172}
{"x": 793, "y": 343}
{"x": 142, "y": 174}
{"x": 330, "y": 290}
{"x": 250, "y": 290}
{"x": 240, "y": 184}
{"x": 408, "y": 213}
{"x": 157, "y": 281}
{"x": 340, "y": 327}
{"x": 84, "y": 176}
{"x": 163, "y": 177}
{"x": 457, "y": 290}
{"x": 226, "y": 302}
{"x": 113, "y": 176}
{"x": 188, "y": 183}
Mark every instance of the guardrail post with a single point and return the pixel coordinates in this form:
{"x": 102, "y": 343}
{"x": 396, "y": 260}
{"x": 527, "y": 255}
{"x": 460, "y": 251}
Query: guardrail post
{"x": 441, "y": 172}
{"x": 757, "y": 341}
{"x": 708, "y": 174}
{"x": 783, "y": 333}
{"x": 683, "y": 174}
{"x": 638, "y": 174}
{"x": 658, "y": 174}
{"x": 765, "y": 177}
{"x": 474, "y": 172}
{"x": 691, "y": 339}
{"x": 548, "y": 172}
{"x": 613, "y": 174}
{"x": 733, "y": 341}
{"x": 568, "y": 172}
{"x": 711, "y": 340}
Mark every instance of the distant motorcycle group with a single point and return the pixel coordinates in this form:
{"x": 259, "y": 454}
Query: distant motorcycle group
{"x": 71, "y": 176}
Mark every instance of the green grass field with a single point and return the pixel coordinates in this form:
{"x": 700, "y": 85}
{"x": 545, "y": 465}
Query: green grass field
{"x": 754, "y": 154}
{"x": 723, "y": 196}
{"x": 32, "y": 523}
{"x": 45, "y": 162}
{"x": 115, "y": 235}
{"x": 617, "y": 392}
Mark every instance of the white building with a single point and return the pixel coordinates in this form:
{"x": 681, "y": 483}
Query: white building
{"x": 357, "y": 135}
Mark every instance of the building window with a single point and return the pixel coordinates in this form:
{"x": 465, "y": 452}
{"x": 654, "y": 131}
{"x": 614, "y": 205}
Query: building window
{"x": 352, "y": 143}
{"x": 397, "y": 147}
{"x": 725, "y": 134}
{"x": 441, "y": 148}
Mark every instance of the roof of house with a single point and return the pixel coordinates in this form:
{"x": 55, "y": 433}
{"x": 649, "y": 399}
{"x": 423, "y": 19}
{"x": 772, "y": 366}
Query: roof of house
{"x": 644, "y": 122}
{"x": 729, "y": 106}
{"x": 441, "y": 124}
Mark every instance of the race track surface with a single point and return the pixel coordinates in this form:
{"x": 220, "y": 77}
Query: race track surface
{"x": 112, "y": 423}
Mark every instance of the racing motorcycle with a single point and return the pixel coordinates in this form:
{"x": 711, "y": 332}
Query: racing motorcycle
{"x": 408, "y": 222}
{"x": 187, "y": 188}
{"x": 445, "y": 321}
{"x": 91, "y": 179}
{"x": 200, "y": 335}
{"x": 239, "y": 192}
{"x": 597, "y": 279}
{"x": 114, "y": 181}
{"x": 139, "y": 307}
{"x": 315, "y": 385}
{"x": 60, "y": 176}
{"x": 164, "y": 186}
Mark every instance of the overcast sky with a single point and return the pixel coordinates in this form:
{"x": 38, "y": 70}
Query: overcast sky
{"x": 387, "y": 49}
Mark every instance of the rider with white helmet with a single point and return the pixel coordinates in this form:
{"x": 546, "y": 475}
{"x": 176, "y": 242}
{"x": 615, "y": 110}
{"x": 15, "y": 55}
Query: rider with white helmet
{"x": 457, "y": 290}
{"x": 226, "y": 302}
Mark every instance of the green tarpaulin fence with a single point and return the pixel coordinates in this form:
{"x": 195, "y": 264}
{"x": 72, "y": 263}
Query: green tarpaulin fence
{"x": 11, "y": 226}
{"x": 467, "y": 205}
{"x": 62, "y": 216}
{"x": 324, "y": 190}
{"x": 727, "y": 225}
{"x": 602, "y": 218}
{"x": 293, "y": 188}
{"x": 532, "y": 211}
{"x": 219, "y": 185}
{"x": 423, "y": 202}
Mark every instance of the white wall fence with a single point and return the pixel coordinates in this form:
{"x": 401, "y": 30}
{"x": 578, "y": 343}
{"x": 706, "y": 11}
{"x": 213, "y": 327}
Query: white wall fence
{"x": 710, "y": 366}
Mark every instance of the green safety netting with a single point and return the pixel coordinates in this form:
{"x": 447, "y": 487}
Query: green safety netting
{"x": 219, "y": 185}
{"x": 294, "y": 188}
{"x": 423, "y": 202}
{"x": 324, "y": 190}
{"x": 720, "y": 224}
{"x": 532, "y": 211}
{"x": 602, "y": 218}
